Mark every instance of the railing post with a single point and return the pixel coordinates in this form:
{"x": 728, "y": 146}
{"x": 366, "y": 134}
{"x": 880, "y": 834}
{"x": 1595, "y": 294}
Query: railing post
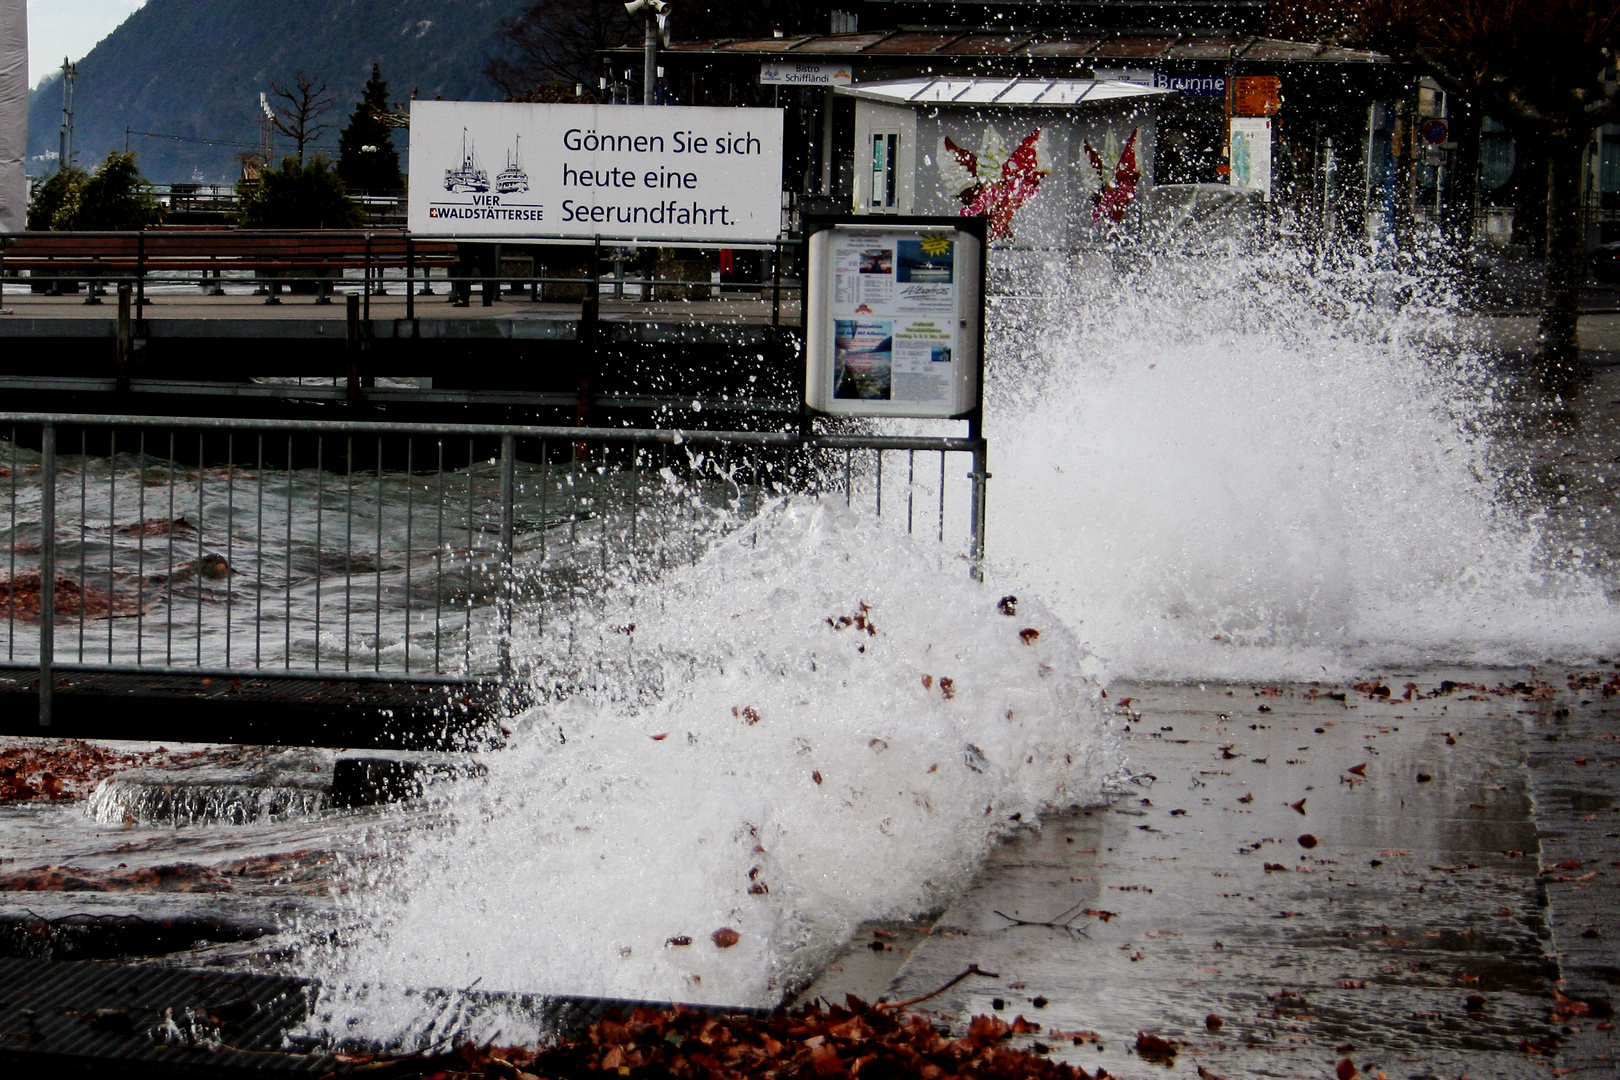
{"x": 981, "y": 478}
{"x": 352, "y": 341}
{"x": 366, "y": 285}
{"x": 592, "y": 304}
{"x": 126, "y": 337}
{"x": 47, "y": 574}
{"x": 140, "y": 268}
{"x": 410, "y": 278}
{"x": 776, "y": 284}
{"x": 507, "y": 587}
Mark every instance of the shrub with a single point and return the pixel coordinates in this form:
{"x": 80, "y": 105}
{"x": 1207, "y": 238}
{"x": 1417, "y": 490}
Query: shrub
{"x": 49, "y": 198}
{"x": 116, "y": 198}
{"x": 294, "y": 196}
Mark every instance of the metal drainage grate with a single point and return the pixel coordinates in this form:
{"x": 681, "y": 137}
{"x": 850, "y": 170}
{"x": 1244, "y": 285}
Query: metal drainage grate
{"x": 126, "y": 1021}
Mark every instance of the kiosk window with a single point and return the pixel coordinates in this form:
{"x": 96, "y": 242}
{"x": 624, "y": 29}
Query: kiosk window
{"x": 885, "y": 169}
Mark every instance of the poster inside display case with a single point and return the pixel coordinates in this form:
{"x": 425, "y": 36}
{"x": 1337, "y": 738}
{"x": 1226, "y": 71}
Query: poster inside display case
{"x": 894, "y": 316}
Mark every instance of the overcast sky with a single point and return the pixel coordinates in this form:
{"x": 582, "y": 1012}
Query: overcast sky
{"x": 70, "y": 28}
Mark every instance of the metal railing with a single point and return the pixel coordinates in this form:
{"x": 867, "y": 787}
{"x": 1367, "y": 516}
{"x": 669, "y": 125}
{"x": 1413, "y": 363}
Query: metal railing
{"x": 416, "y": 552}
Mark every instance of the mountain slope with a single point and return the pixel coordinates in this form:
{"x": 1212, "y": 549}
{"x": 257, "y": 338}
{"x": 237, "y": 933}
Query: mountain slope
{"x": 194, "y": 69}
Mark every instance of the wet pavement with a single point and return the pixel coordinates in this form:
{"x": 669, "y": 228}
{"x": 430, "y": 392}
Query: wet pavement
{"x": 1572, "y": 752}
{"x": 1420, "y": 882}
{"x": 1300, "y": 881}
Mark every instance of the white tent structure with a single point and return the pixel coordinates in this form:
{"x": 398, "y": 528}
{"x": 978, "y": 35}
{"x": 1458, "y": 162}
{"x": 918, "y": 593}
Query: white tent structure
{"x": 13, "y": 114}
{"x": 1050, "y": 161}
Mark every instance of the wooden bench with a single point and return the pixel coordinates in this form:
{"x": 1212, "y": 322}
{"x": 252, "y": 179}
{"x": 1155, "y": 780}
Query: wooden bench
{"x": 318, "y": 257}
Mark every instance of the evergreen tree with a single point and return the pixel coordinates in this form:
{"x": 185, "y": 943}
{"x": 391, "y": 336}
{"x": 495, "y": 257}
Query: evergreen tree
{"x": 310, "y": 195}
{"x": 116, "y": 198}
{"x": 367, "y": 159}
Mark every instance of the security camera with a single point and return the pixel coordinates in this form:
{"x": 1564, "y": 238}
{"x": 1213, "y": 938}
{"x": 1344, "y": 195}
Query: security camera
{"x": 639, "y": 7}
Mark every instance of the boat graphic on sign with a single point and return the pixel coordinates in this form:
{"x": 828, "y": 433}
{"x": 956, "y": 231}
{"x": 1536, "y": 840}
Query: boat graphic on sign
{"x": 512, "y": 179}
{"x": 469, "y": 177}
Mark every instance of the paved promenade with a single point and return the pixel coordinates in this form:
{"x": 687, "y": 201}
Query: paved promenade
{"x": 1308, "y": 875}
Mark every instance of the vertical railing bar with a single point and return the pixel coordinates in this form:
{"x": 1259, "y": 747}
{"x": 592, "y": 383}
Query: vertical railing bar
{"x": 545, "y": 491}
{"x": 438, "y": 573}
{"x": 376, "y": 642}
{"x": 320, "y": 513}
{"x": 604, "y": 505}
{"x": 849, "y": 478}
{"x": 348, "y": 537}
{"x": 230, "y": 536}
{"x": 286, "y": 626}
{"x": 112, "y": 533}
{"x": 197, "y": 576}
{"x": 410, "y": 522}
{"x": 410, "y": 302}
{"x": 573, "y": 496}
{"x": 11, "y": 557}
{"x": 168, "y": 577}
{"x": 505, "y": 587}
{"x": 942, "y": 496}
{"x": 84, "y": 530}
{"x": 635, "y": 501}
{"x": 140, "y": 551}
{"x": 878, "y": 453}
{"x": 545, "y": 530}
{"x": 980, "y": 507}
{"x": 633, "y": 555}
{"x": 911, "y": 487}
{"x": 258, "y": 561}
{"x": 47, "y": 574}
{"x": 697, "y": 477}
{"x": 466, "y": 617}
{"x": 663, "y": 533}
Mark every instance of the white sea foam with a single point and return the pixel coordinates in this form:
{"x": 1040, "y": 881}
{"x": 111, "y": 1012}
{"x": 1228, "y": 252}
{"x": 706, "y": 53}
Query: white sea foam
{"x": 1237, "y": 466}
{"x": 843, "y": 724}
{"x": 1252, "y": 466}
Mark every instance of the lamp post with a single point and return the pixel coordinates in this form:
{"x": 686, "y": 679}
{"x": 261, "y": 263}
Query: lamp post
{"x": 654, "y": 15}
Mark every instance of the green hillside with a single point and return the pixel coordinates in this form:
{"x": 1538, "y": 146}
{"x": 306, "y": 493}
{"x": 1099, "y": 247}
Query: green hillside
{"x": 195, "y": 68}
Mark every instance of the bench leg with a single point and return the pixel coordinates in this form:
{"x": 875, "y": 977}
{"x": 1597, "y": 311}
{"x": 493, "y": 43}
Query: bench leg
{"x": 323, "y": 295}
{"x": 273, "y": 296}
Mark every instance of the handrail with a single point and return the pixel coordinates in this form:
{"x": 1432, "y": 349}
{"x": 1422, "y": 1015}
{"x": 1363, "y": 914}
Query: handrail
{"x": 665, "y": 436}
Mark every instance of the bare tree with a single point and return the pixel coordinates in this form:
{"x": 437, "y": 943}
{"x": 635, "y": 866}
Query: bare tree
{"x": 299, "y": 111}
{"x": 560, "y": 41}
{"x": 557, "y": 41}
{"x": 1536, "y": 66}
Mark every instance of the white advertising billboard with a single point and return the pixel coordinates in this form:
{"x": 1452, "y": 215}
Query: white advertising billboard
{"x": 893, "y": 320}
{"x": 623, "y": 172}
{"x": 1251, "y": 153}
